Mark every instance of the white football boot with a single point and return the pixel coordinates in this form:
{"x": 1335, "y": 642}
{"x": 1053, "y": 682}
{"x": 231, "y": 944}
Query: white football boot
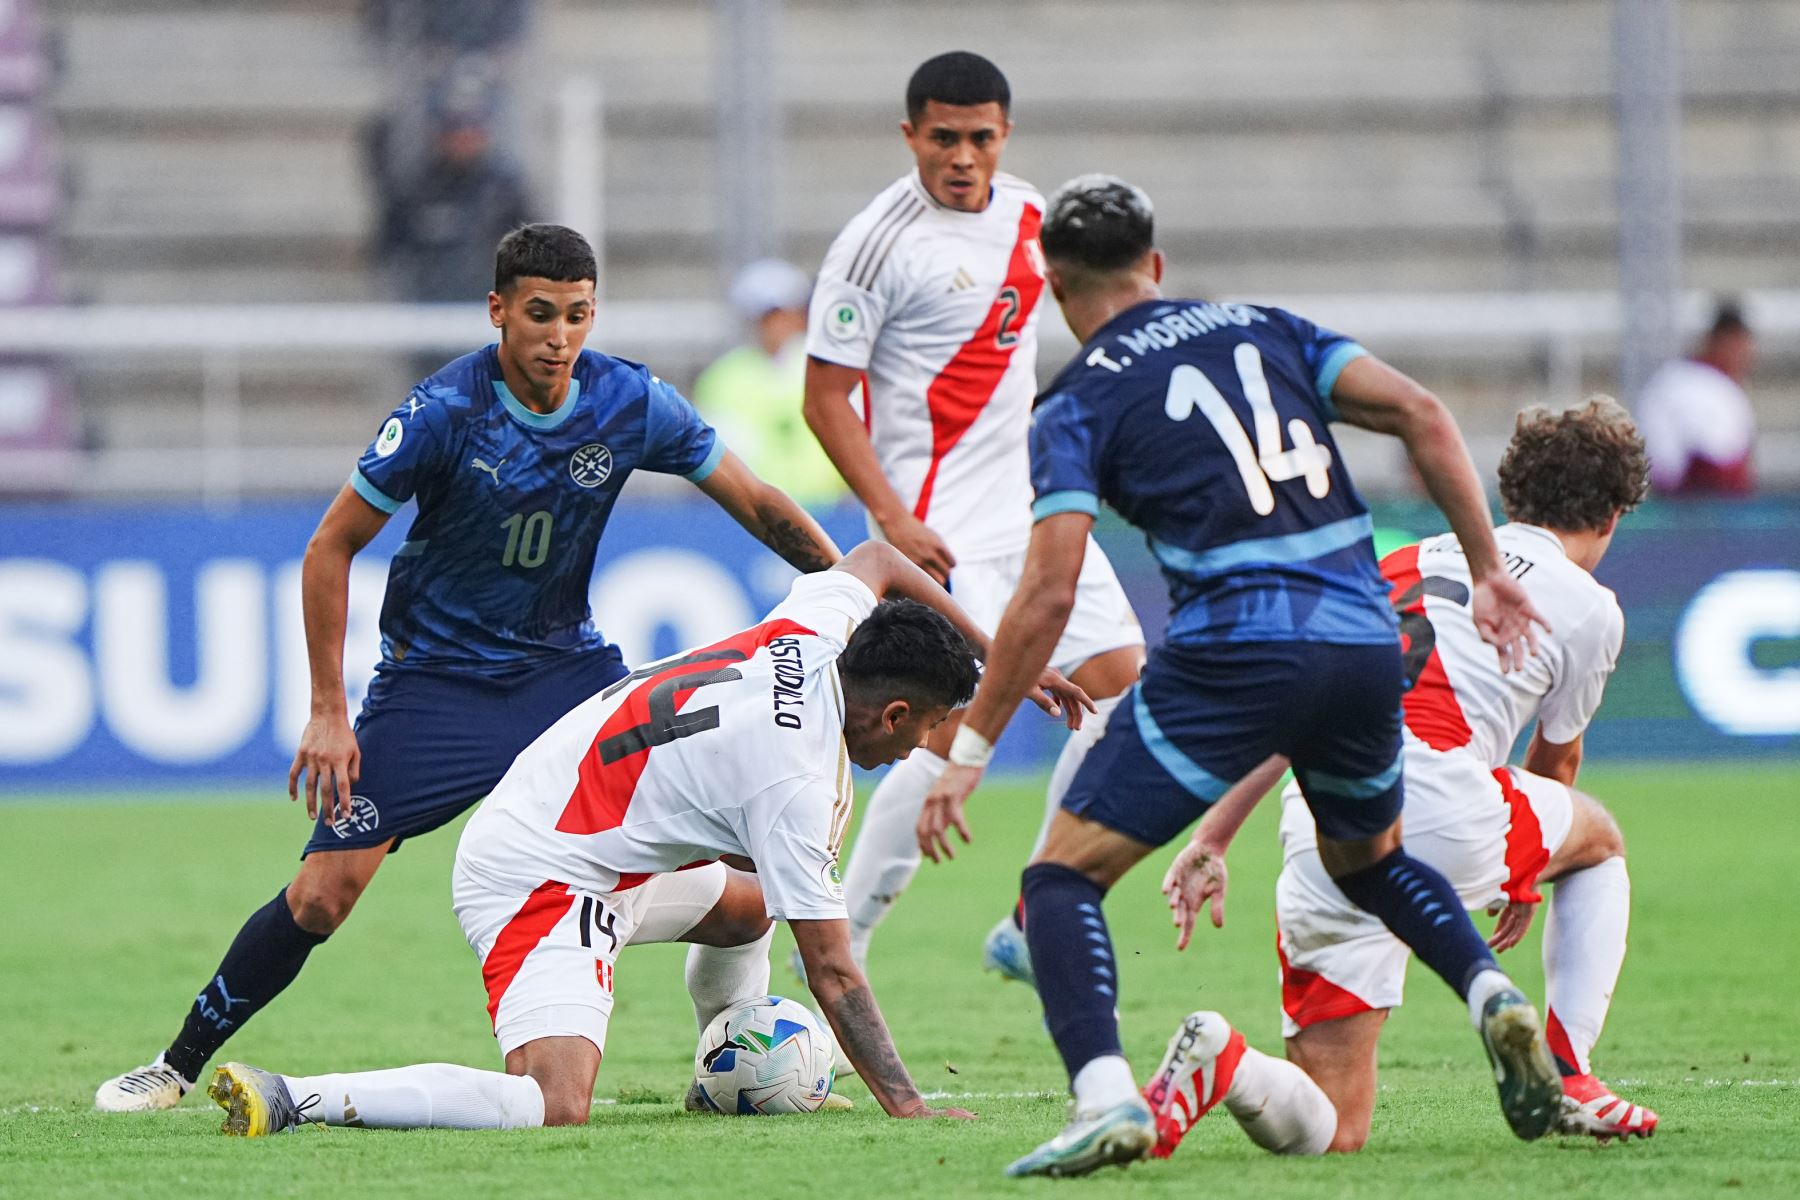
{"x": 155, "y": 1085}
{"x": 1118, "y": 1135}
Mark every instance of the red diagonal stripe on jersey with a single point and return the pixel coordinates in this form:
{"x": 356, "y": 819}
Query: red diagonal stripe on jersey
{"x": 1525, "y": 852}
{"x": 967, "y": 382}
{"x": 529, "y": 926}
{"x": 1432, "y": 711}
{"x": 603, "y": 791}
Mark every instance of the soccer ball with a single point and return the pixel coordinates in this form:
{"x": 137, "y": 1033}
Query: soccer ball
{"x": 770, "y": 1055}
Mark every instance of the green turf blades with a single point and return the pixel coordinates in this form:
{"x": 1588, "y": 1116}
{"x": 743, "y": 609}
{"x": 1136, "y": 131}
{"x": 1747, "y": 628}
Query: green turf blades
{"x": 1701, "y": 1029}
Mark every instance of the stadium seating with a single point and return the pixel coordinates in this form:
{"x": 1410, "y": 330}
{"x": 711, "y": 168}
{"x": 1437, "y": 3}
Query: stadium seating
{"x": 1383, "y": 145}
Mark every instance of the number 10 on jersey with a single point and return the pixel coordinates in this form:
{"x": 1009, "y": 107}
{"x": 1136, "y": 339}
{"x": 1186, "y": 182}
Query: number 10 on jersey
{"x": 1189, "y": 388}
{"x": 527, "y": 539}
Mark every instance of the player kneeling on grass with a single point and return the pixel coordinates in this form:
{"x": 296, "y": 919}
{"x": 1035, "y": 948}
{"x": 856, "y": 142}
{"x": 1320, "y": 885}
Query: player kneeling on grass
{"x": 1495, "y": 831}
{"x": 615, "y": 826}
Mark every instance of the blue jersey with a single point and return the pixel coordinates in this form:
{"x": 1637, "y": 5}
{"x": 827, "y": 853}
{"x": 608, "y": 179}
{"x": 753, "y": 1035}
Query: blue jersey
{"x": 1206, "y": 426}
{"x": 494, "y": 573}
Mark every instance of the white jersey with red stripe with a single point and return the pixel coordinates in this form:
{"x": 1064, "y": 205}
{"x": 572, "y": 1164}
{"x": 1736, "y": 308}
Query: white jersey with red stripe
{"x": 731, "y": 749}
{"x": 939, "y": 309}
{"x": 1461, "y": 698}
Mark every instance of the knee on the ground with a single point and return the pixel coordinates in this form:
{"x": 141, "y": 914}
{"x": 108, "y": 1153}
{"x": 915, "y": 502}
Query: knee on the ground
{"x": 567, "y": 1110}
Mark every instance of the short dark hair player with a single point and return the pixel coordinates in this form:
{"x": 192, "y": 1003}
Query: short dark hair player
{"x": 515, "y": 455}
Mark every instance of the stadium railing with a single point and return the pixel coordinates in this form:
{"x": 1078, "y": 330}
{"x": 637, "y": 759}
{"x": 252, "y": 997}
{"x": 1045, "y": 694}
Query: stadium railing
{"x": 1563, "y": 336}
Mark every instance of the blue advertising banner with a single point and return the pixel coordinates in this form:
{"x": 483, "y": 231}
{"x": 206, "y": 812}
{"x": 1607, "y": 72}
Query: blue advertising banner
{"x": 163, "y": 646}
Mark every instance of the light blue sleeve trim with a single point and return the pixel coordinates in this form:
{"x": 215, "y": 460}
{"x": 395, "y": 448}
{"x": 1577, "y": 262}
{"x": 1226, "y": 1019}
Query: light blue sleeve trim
{"x": 711, "y": 463}
{"x": 374, "y": 495}
{"x": 1341, "y": 356}
{"x": 1065, "y": 501}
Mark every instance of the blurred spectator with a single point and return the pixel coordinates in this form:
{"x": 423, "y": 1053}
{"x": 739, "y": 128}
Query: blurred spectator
{"x": 1697, "y": 422}
{"x": 753, "y": 394}
{"x": 441, "y": 219}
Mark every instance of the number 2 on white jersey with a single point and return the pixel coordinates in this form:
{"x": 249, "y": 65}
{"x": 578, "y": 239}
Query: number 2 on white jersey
{"x": 1189, "y": 388}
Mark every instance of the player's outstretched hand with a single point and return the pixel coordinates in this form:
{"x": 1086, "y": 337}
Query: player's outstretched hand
{"x": 944, "y": 810}
{"x": 1515, "y": 920}
{"x": 939, "y": 1114}
{"x": 328, "y": 756}
{"x": 913, "y": 538}
{"x": 1504, "y": 618}
{"x": 1059, "y": 697}
{"x": 1196, "y": 877}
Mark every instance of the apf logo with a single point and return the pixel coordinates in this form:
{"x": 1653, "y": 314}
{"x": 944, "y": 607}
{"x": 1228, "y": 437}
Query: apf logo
{"x": 591, "y": 465}
{"x": 364, "y": 818}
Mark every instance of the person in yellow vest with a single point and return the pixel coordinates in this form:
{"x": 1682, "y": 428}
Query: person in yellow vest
{"x": 753, "y": 394}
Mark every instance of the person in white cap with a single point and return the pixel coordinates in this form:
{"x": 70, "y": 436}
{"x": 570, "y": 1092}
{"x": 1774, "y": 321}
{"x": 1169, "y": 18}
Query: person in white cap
{"x": 755, "y": 392}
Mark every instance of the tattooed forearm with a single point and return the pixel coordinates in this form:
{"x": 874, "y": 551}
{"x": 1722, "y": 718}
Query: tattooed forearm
{"x": 797, "y": 544}
{"x": 864, "y": 1037}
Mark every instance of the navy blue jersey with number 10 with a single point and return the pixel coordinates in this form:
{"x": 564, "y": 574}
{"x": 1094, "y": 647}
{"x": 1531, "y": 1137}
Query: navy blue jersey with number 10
{"x": 1206, "y": 426}
{"x": 493, "y": 577}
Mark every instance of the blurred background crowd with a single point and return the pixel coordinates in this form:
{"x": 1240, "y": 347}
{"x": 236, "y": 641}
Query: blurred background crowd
{"x": 1517, "y": 200}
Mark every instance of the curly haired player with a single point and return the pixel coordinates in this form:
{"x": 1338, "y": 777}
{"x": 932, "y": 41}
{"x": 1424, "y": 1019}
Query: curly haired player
{"x": 1495, "y": 831}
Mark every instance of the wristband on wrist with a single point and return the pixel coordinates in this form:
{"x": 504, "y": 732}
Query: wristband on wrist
{"x": 970, "y": 749}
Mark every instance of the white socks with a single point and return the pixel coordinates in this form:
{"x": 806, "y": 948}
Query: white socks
{"x": 1481, "y": 989}
{"x": 1104, "y": 1082}
{"x": 1074, "y": 750}
{"x": 886, "y": 854}
{"x": 1584, "y": 949}
{"x": 718, "y": 975}
{"x": 1279, "y": 1106}
{"x": 428, "y": 1096}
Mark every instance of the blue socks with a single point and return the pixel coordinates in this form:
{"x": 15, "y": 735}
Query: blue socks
{"x": 263, "y": 959}
{"x": 1424, "y": 911}
{"x": 1072, "y": 956}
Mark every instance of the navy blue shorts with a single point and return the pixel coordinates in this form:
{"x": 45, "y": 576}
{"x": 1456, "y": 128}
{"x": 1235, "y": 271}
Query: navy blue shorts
{"x": 434, "y": 742}
{"x": 1203, "y": 716}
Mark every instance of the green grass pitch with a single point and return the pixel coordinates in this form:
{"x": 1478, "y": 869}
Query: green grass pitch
{"x": 115, "y": 911}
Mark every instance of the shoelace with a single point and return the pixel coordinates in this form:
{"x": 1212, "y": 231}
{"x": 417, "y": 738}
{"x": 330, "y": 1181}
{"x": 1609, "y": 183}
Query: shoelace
{"x": 303, "y": 1112}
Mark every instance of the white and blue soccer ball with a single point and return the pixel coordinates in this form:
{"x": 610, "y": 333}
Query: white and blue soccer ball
{"x": 769, "y": 1055}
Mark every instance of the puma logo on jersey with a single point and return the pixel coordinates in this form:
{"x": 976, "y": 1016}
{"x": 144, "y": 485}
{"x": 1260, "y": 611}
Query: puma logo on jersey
{"x": 962, "y": 281}
{"x": 494, "y": 470}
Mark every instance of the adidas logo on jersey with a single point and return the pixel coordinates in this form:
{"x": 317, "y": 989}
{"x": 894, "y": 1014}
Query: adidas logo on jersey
{"x": 962, "y": 280}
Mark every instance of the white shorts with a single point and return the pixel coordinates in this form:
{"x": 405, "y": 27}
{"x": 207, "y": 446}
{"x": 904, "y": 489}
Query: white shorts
{"x": 1102, "y": 619}
{"x": 547, "y": 953}
{"x": 1489, "y": 832}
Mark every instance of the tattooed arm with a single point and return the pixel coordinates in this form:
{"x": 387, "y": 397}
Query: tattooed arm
{"x": 770, "y": 515}
{"x": 849, "y": 1005}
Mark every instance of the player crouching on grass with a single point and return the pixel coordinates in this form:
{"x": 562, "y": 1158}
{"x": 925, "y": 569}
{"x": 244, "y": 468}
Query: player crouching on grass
{"x": 615, "y": 828}
{"x": 1495, "y": 831}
